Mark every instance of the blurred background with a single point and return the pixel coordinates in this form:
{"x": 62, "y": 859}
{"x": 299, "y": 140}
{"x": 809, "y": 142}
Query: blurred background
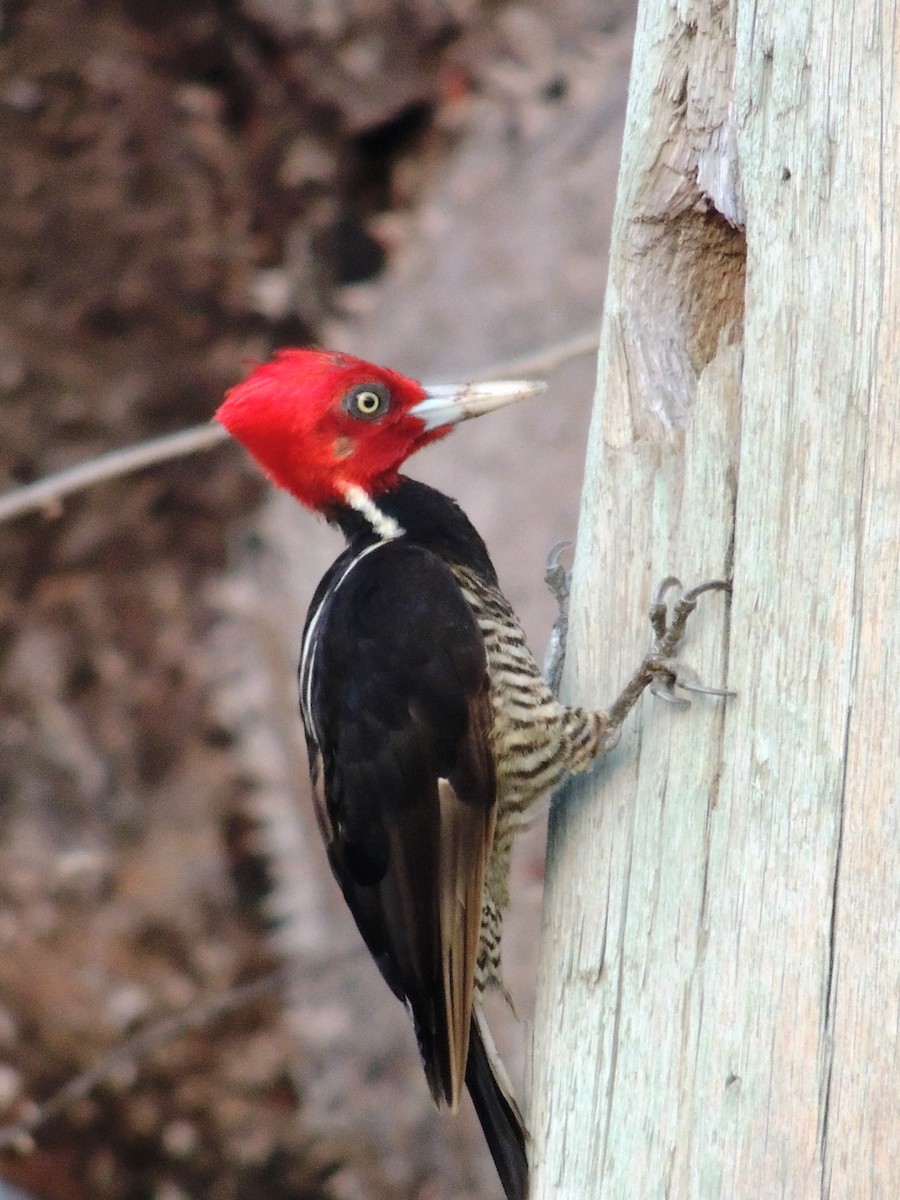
{"x": 187, "y": 186}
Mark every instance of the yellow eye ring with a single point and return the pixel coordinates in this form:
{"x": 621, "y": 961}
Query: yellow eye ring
{"x": 367, "y": 401}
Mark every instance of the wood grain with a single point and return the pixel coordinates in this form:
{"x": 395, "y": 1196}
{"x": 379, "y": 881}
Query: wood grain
{"x": 719, "y": 1002}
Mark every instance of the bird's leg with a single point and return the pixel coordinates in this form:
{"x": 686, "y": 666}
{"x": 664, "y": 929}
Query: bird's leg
{"x": 660, "y": 670}
{"x": 558, "y": 579}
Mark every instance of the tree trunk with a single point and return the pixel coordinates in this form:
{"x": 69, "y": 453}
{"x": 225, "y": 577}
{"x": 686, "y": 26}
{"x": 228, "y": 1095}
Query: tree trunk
{"x": 719, "y": 1001}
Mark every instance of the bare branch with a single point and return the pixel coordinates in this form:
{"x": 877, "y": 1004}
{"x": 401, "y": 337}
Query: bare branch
{"x": 545, "y": 359}
{"x": 18, "y": 1135}
{"x": 47, "y": 493}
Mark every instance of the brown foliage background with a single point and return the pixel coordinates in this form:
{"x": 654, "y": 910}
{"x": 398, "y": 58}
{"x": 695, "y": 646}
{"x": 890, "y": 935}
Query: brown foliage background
{"x": 187, "y": 186}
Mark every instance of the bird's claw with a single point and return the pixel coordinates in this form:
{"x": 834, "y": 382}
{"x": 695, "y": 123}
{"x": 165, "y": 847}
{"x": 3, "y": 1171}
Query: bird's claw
{"x": 703, "y": 690}
{"x": 673, "y": 673}
{"x": 557, "y": 578}
{"x": 670, "y": 672}
{"x": 661, "y": 670}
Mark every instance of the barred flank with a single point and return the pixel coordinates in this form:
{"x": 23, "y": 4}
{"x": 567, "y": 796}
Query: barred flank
{"x": 537, "y": 742}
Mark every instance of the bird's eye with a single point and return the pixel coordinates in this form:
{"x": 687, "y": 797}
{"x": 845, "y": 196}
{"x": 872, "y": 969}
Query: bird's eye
{"x": 367, "y": 401}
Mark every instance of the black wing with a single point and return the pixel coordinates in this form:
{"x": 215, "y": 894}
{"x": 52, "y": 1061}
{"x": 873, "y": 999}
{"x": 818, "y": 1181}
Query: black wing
{"x": 396, "y": 702}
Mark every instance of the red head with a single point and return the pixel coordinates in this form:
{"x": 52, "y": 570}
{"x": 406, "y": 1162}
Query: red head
{"x": 321, "y": 423}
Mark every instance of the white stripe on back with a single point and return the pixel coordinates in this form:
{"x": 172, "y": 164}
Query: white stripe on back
{"x": 310, "y": 642}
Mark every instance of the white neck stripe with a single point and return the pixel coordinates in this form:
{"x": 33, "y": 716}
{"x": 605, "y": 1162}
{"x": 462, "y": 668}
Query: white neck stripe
{"x": 384, "y": 526}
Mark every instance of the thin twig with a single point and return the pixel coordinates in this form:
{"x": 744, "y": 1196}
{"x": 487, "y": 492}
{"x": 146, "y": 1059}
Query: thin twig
{"x": 47, "y": 493}
{"x": 18, "y": 1135}
{"x": 544, "y": 360}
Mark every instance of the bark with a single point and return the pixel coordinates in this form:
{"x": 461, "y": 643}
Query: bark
{"x": 718, "y": 1005}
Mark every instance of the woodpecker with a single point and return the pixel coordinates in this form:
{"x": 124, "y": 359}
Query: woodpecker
{"x": 429, "y": 726}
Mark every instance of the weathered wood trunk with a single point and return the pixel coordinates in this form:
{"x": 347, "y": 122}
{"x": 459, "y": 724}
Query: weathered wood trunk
{"x": 719, "y": 1003}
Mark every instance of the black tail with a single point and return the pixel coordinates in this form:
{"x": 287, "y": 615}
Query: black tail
{"x": 504, "y": 1129}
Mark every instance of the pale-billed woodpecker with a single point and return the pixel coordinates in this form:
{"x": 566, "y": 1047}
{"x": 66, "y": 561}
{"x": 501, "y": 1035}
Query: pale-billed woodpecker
{"x": 429, "y": 726}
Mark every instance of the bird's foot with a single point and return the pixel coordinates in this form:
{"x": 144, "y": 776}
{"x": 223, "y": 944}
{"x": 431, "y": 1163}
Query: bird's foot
{"x": 669, "y": 627}
{"x": 661, "y": 669}
{"x": 558, "y": 579}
